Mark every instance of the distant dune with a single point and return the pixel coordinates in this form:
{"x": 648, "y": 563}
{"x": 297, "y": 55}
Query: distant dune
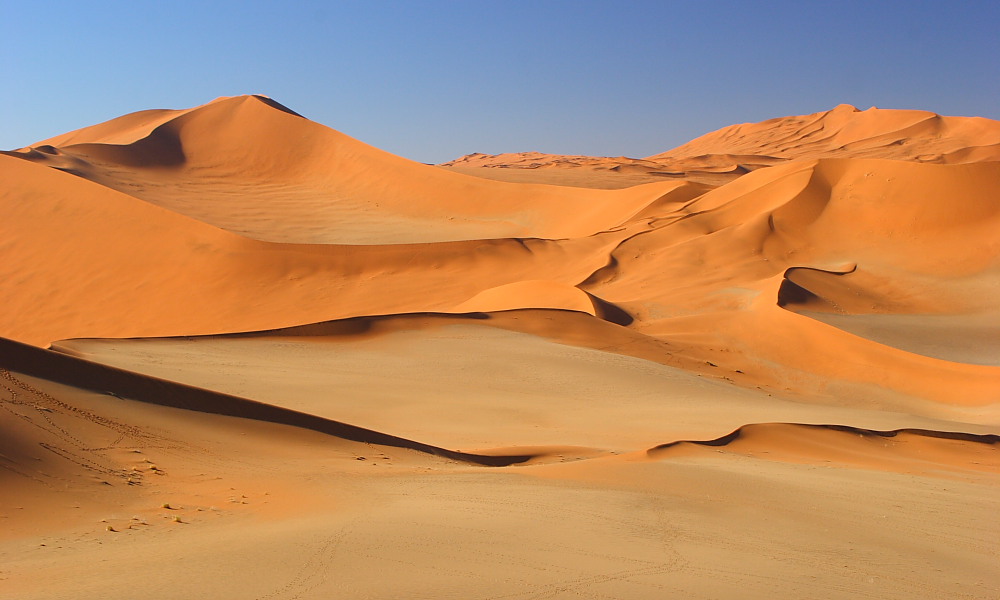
{"x": 246, "y": 356}
{"x": 718, "y": 157}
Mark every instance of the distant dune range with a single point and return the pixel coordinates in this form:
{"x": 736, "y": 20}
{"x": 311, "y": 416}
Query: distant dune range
{"x": 256, "y": 304}
{"x": 720, "y": 156}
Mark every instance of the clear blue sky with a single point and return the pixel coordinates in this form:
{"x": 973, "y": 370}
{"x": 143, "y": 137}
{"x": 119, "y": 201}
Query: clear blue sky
{"x": 432, "y": 80}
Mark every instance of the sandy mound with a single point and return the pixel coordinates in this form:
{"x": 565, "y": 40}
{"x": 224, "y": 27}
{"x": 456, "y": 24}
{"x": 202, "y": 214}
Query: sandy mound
{"x": 711, "y": 276}
{"x": 800, "y": 236}
{"x": 901, "y": 450}
{"x": 846, "y": 132}
{"x": 259, "y": 378}
{"x": 100, "y": 263}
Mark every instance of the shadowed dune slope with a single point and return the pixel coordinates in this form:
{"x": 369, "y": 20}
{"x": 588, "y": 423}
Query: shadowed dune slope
{"x": 69, "y": 370}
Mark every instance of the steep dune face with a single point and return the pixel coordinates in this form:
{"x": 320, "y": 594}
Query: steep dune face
{"x": 122, "y": 130}
{"x": 249, "y": 165}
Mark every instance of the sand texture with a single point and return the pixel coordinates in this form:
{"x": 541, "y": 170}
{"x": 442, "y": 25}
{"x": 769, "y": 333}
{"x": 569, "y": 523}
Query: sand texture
{"x": 243, "y": 355}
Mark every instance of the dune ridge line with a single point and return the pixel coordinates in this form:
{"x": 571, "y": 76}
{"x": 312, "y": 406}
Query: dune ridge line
{"x": 78, "y": 372}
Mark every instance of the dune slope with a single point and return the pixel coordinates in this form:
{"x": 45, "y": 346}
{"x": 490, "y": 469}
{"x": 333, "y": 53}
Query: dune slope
{"x": 252, "y": 166}
{"x": 846, "y": 132}
{"x": 247, "y": 356}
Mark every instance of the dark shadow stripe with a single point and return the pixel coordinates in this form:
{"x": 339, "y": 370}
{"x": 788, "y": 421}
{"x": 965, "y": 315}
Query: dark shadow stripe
{"x": 77, "y": 372}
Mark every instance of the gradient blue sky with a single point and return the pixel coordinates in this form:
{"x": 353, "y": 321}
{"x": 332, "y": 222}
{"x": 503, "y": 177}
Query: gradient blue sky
{"x": 437, "y": 79}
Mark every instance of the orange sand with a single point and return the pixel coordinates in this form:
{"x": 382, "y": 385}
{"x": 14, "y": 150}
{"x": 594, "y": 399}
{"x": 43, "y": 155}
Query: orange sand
{"x": 284, "y": 363}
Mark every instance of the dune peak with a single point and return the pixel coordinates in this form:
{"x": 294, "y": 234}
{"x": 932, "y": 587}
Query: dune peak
{"x": 845, "y": 108}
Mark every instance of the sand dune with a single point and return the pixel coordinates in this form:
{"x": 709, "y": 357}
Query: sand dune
{"x": 236, "y": 508}
{"x": 96, "y": 262}
{"x": 719, "y": 157}
{"x": 326, "y": 187}
{"x": 904, "y": 450}
{"x": 759, "y": 235}
{"x": 846, "y": 132}
{"x": 251, "y": 357}
{"x": 605, "y": 172}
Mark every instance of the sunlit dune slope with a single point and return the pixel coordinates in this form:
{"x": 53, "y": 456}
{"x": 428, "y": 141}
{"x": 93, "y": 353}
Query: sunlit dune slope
{"x": 720, "y": 156}
{"x": 846, "y": 132}
{"x": 252, "y": 166}
{"x": 488, "y": 381}
{"x": 724, "y": 273}
{"x": 86, "y": 261}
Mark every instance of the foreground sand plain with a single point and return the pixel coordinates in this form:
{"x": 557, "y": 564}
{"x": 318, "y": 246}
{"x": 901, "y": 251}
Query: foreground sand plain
{"x": 332, "y": 372}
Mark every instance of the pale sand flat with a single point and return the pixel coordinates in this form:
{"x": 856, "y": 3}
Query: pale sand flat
{"x": 268, "y": 511}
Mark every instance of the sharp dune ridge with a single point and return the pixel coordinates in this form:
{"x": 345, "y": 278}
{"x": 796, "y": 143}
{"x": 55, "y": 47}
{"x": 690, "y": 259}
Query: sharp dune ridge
{"x": 248, "y": 320}
{"x": 742, "y": 431}
{"x": 321, "y": 179}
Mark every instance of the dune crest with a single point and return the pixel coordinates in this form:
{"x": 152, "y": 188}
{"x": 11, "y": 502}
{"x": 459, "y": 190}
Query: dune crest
{"x": 251, "y": 166}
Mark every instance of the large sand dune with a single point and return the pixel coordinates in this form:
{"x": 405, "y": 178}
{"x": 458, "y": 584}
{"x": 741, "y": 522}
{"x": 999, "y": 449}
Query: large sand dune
{"x": 248, "y": 356}
{"x": 327, "y": 187}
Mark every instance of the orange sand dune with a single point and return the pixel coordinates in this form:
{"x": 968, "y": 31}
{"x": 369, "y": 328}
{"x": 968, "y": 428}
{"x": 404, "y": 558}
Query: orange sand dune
{"x": 604, "y": 172}
{"x": 249, "y": 165}
{"x": 707, "y": 163}
{"x": 906, "y": 450}
{"x": 846, "y": 132}
{"x": 719, "y": 157}
{"x": 282, "y": 360}
{"x": 650, "y": 275}
{"x": 96, "y": 263}
{"x": 713, "y": 274}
